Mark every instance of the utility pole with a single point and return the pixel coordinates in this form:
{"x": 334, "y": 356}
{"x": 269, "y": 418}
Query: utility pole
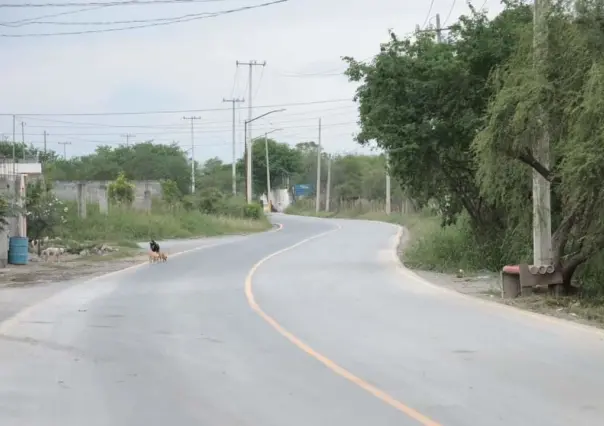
{"x": 251, "y": 64}
{"x": 328, "y": 189}
{"x": 268, "y": 172}
{"x": 234, "y": 164}
{"x": 542, "y": 221}
{"x": 65, "y": 148}
{"x": 192, "y": 118}
{"x": 388, "y": 205}
{"x": 318, "y": 190}
{"x": 128, "y": 136}
{"x": 439, "y": 30}
{"x": 23, "y": 123}
{"x": 45, "y": 134}
{"x": 14, "y": 142}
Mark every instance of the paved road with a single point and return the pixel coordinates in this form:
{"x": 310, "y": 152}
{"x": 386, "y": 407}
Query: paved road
{"x": 339, "y": 335}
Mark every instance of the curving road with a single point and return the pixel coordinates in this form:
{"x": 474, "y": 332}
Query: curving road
{"x": 328, "y": 330}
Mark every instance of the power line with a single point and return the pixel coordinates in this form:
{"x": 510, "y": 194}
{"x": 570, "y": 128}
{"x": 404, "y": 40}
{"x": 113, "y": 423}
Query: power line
{"x": 104, "y": 3}
{"x": 169, "y": 21}
{"x": 131, "y": 21}
{"x": 259, "y": 82}
{"x": 428, "y": 14}
{"x": 235, "y": 81}
{"x": 26, "y": 21}
{"x": 171, "y": 128}
{"x": 449, "y": 14}
{"x": 77, "y": 125}
{"x": 159, "y": 112}
{"x": 204, "y": 131}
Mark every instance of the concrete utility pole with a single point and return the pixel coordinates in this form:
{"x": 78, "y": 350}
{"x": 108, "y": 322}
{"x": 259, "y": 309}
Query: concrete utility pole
{"x": 268, "y": 171}
{"x": 318, "y": 190}
{"x": 388, "y": 192}
{"x": 328, "y": 189}
{"x": 128, "y": 136}
{"x": 45, "y": 134}
{"x": 439, "y": 30}
{"x": 542, "y": 221}
{"x": 192, "y": 118}
{"x": 251, "y": 64}
{"x": 23, "y": 123}
{"x": 14, "y": 142}
{"x": 65, "y": 148}
{"x": 234, "y": 165}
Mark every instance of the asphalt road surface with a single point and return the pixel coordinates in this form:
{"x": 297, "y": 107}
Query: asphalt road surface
{"x": 328, "y": 330}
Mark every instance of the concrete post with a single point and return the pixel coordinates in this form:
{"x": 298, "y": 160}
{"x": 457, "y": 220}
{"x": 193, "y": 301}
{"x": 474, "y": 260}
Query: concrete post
{"x": 103, "y": 199}
{"x": 147, "y": 198}
{"x": 20, "y": 194}
{"x": 81, "y": 198}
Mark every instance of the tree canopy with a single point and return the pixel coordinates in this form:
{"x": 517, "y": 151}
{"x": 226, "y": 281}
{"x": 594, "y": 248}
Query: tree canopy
{"x": 459, "y": 120}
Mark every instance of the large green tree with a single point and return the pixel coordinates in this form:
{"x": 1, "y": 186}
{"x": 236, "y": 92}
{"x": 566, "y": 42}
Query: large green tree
{"x": 558, "y": 89}
{"x": 423, "y": 102}
{"x": 284, "y": 161}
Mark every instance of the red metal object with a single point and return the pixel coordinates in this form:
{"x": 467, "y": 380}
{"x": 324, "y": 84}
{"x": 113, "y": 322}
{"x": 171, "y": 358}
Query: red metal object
{"x": 512, "y": 269}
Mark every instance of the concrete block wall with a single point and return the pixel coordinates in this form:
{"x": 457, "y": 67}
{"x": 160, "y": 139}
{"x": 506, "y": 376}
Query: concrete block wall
{"x": 68, "y": 191}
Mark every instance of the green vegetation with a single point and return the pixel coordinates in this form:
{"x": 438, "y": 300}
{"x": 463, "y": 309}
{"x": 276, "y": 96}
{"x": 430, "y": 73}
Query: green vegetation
{"x": 459, "y": 120}
{"x": 131, "y": 225}
{"x": 210, "y": 211}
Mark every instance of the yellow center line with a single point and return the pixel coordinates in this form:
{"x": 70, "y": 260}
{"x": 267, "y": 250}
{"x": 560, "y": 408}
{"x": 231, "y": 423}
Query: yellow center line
{"x": 378, "y": 393}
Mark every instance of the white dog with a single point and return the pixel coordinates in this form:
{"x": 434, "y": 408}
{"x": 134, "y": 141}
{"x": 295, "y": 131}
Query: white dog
{"x": 55, "y": 252}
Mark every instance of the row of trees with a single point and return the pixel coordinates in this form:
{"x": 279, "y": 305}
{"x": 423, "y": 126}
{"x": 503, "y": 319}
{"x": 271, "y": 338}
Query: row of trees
{"x": 460, "y": 120}
{"x": 352, "y": 176}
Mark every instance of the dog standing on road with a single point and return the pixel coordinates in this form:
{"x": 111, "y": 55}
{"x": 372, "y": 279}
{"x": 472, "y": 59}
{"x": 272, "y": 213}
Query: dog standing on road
{"x": 163, "y": 256}
{"x": 153, "y": 257}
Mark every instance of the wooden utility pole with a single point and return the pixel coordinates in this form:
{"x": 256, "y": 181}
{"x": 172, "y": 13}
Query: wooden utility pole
{"x": 542, "y": 222}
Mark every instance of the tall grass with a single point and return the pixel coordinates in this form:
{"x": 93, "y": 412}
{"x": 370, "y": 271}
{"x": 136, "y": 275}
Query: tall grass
{"x": 162, "y": 222}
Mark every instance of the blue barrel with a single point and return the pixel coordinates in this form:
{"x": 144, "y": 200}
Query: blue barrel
{"x": 18, "y": 253}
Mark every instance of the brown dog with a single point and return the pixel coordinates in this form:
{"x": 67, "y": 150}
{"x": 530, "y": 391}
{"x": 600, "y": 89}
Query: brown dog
{"x": 153, "y": 257}
{"x": 163, "y": 256}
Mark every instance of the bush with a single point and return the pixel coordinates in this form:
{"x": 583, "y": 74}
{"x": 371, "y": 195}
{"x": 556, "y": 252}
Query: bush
{"x": 121, "y": 191}
{"x": 253, "y": 211}
{"x": 43, "y": 210}
{"x": 213, "y": 201}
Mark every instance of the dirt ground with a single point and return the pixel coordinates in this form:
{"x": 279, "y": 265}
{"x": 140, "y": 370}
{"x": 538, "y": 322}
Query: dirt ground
{"x": 70, "y": 267}
{"x": 487, "y": 286}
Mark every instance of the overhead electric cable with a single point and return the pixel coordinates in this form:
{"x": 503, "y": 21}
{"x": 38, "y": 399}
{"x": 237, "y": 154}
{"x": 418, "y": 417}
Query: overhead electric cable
{"x": 159, "y": 112}
{"x": 167, "y": 21}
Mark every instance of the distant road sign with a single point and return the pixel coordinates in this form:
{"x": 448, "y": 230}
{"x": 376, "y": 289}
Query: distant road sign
{"x": 302, "y": 190}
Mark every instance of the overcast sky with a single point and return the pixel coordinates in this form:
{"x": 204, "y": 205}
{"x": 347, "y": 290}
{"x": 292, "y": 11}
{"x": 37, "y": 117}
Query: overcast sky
{"x": 191, "y": 66}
